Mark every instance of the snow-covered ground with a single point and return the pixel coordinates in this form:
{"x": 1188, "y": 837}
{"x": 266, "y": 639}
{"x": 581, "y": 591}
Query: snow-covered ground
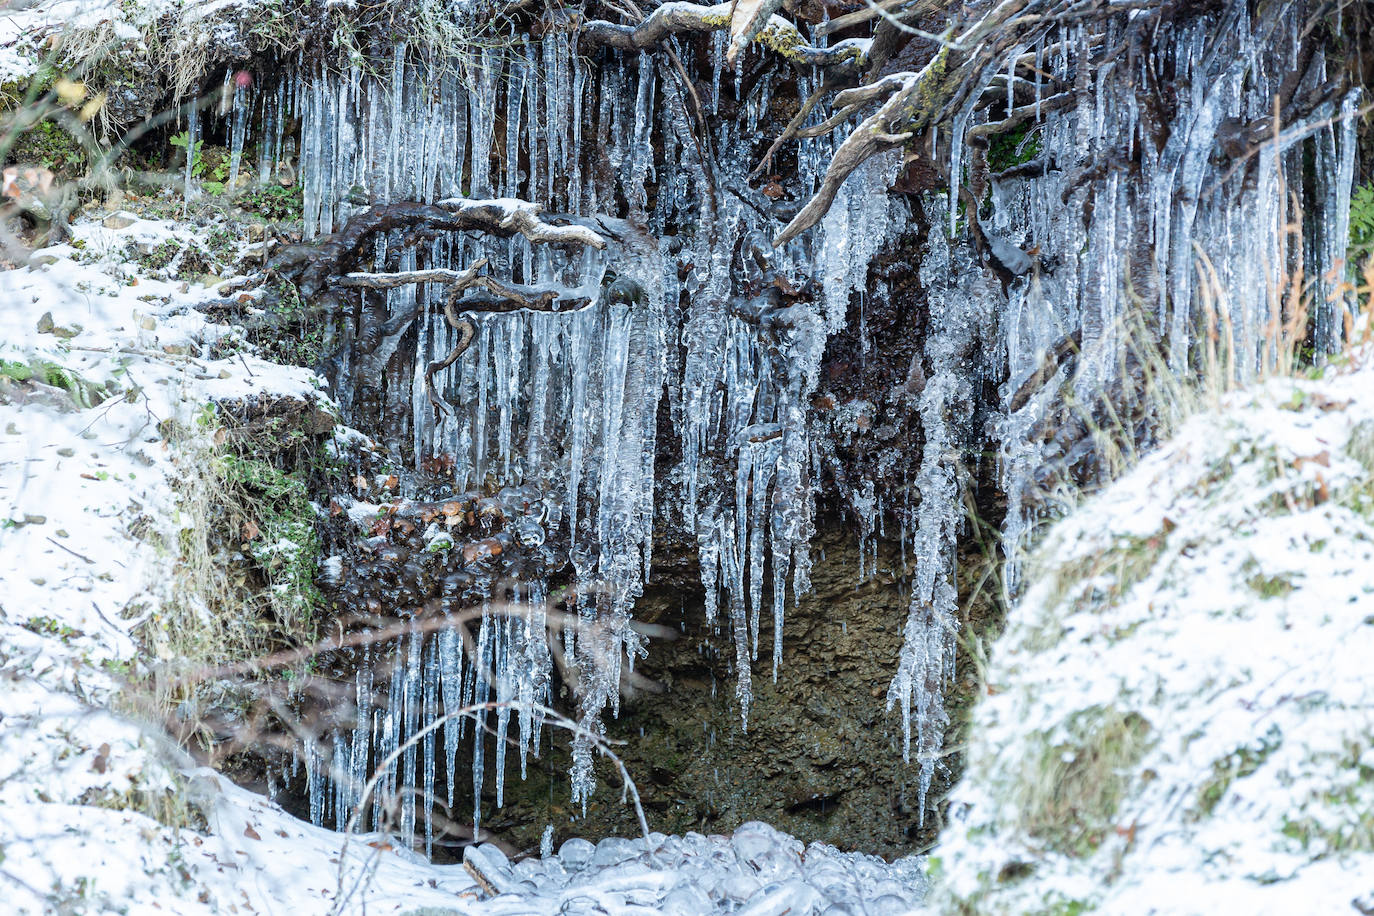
{"x": 97, "y": 355}
{"x": 1180, "y": 715}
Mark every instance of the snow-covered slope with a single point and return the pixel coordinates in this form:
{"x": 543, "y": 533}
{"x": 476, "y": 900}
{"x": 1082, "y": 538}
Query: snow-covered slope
{"x": 1180, "y": 715}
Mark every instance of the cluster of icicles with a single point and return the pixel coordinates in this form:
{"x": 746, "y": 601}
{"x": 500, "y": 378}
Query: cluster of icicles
{"x": 569, "y": 402}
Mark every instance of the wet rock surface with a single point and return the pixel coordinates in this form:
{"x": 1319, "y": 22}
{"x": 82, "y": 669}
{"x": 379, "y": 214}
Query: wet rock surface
{"x": 822, "y": 758}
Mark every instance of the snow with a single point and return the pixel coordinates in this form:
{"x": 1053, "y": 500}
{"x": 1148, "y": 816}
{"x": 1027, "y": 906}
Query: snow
{"x": 1219, "y": 599}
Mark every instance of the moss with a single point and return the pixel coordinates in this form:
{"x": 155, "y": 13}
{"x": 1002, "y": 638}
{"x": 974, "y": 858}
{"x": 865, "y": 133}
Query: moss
{"x": 785, "y": 42}
{"x": 1011, "y": 149}
{"x": 280, "y": 534}
{"x": 1267, "y": 587}
{"x": 48, "y": 145}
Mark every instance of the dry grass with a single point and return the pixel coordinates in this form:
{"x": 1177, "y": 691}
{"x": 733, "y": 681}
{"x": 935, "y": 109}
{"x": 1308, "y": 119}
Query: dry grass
{"x": 1067, "y": 796}
{"x": 211, "y": 615}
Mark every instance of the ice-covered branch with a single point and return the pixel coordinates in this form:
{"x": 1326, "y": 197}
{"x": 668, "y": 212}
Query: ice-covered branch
{"x": 316, "y": 268}
{"x": 773, "y": 32}
{"x": 911, "y": 104}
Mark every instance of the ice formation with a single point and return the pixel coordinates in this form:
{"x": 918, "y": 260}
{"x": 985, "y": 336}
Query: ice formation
{"x": 1095, "y": 237}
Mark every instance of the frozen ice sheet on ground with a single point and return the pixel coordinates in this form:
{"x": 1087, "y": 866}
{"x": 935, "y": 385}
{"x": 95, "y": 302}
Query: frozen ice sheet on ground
{"x": 757, "y": 871}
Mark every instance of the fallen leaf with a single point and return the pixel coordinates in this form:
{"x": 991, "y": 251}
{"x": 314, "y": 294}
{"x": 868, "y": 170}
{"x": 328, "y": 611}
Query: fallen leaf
{"x": 1322, "y": 458}
{"x": 390, "y": 482}
{"x": 102, "y": 759}
{"x": 250, "y": 530}
{"x": 360, "y": 483}
{"x": 773, "y": 190}
{"x": 249, "y": 832}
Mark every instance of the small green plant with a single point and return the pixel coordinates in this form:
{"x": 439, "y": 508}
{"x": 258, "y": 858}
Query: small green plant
{"x": 84, "y": 392}
{"x": 1361, "y": 224}
{"x": 212, "y": 172}
{"x": 291, "y": 332}
{"x": 48, "y": 626}
{"x": 273, "y": 203}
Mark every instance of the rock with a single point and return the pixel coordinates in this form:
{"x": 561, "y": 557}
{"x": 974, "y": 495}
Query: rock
{"x": 45, "y": 324}
{"x": 118, "y": 221}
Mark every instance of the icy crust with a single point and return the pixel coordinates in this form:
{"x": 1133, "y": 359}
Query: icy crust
{"x": 758, "y": 871}
{"x": 1178, "y": 718}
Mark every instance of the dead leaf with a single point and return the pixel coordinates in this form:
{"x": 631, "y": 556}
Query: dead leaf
{"x": 102, "y": 759}
{"x": 360, "y": 484}
{"x": 773, "y": 190}
{"x": 1322, "y": 458}
{"x": 250, "y": 530}
{"x": 390, "y": 482}
{"x": 1327, "y": 404}
{"x": 249, "y": 832}
{"x": 220, "y": 435}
